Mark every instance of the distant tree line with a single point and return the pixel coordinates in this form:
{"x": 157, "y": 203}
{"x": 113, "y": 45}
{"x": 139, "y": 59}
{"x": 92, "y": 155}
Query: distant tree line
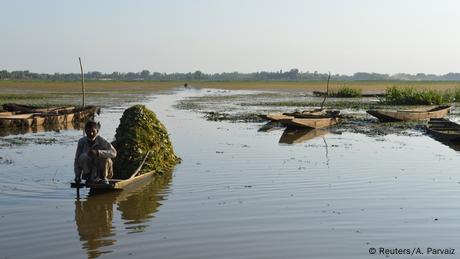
{"x": 291, "y": 75}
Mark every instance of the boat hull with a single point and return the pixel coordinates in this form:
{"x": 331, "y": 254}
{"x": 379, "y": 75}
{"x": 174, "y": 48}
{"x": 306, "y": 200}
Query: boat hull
{"x": 309, "y": 123}
{"x": 277, "y": 117}
{"x": 410, "y": 115}
{"x": 444, "y": 129}
{"x": 17, "y": 119}
{"x": 117, "y": 184}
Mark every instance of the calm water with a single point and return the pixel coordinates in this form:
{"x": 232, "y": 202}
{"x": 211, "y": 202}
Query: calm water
{"x": 238, "y": 193}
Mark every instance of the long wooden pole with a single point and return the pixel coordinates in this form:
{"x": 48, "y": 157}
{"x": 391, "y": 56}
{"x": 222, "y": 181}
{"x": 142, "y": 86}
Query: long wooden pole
{"x": 327, "y": 90}
{"x": 83, "y": 105}
{"x": 82, "y": 82}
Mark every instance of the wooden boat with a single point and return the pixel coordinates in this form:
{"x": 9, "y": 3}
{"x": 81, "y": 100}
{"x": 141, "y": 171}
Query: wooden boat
{"x": 275, "y": 116}
{"x": 444, "y": 129}
{"x": 312, "y": 122}
{"x": 298, "y": 114}
{"x": 39, "y": 117}
{"x": 20, "y": 108}
{"x": 295, "y": 136}
{"x": 413, "y": 114}
{"x": 119, "y": 184}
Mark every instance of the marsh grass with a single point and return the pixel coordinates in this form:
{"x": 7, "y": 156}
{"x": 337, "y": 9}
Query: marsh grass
{"x": 42, "y": 99}
{"x": 347, "y": 92}
{"x": 413, "y": 96}
{"x": 115, "y": 86}
{"x": 328, "y": 105}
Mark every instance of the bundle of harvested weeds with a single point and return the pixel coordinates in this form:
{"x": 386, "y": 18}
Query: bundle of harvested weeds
{"x": 138, "y": 133}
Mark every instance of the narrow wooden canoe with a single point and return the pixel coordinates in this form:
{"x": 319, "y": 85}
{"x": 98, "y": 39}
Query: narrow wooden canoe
{"x": 299, "y": 114}
{"x": 444, "y": 129}
{"x": 117, "y": 184}
{"x": 20, "y": 108}
{"x": 276, "y": 116}
{"x": 410, "y": 115}
{"x": 314, "y": 122}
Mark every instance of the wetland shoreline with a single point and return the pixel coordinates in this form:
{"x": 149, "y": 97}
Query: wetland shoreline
{"x": 230, "y": 101}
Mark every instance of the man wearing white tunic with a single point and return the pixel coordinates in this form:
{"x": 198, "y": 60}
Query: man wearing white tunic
{"x": 93, "y": 159}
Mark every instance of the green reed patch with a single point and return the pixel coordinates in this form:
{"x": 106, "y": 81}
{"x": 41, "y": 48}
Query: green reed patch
{"x": 414, "y": 96}
{"x": 347, "y": 92}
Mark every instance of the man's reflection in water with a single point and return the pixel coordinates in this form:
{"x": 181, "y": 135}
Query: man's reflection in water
{"x": 94, "y": 223}
{"x": 94, "y": 216}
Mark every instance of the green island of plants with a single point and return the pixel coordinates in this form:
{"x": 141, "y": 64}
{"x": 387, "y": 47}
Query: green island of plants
{"x": 138, "y": 133}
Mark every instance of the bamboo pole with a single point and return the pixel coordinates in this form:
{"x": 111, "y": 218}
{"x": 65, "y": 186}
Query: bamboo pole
{"x": 82, "y": 82}
{"x": 327, "y": 90}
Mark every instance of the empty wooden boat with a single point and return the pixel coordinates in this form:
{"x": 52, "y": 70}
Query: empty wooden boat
{"x": 410, "y": 115}
{"x": 38, "y": 117}
{"x": 306, "y": 112}
{"x": 444, "y": 129}
{"x": 313, "y": 122}
{"x": 299, "y": 114}
{"x": 275, "y": 116}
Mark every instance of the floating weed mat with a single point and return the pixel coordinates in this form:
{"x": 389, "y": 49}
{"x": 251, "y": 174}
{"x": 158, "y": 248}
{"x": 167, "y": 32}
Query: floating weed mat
{"x": 20, "y": 141}
{"x": 138, "y": 133}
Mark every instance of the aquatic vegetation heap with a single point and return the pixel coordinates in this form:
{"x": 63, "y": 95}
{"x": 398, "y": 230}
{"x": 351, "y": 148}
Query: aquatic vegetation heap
{"x": 138, "y": 133}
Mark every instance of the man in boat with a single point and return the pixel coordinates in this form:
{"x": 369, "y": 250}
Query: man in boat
{"x": 93, "y": 159}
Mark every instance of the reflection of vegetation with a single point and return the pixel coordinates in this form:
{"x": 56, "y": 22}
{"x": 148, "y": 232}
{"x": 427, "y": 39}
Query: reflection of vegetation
{"x": 94, "y": 216}
{"x": 136, "y": 209}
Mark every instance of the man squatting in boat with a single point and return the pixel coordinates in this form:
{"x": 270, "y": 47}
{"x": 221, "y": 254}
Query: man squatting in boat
{"x": 93, "y": 157}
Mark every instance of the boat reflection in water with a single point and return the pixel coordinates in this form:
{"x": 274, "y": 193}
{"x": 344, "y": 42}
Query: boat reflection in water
{"x": 453, "y": 144}
{"x": 445, "y": 131}
{"x": 296, "y": 136}
{"x": 42, "y": 128}
{"x": 270, "y": 126}
{"x": 94, "y": 216}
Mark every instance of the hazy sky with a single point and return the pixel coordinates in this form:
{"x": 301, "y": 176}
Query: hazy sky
{"x": 340, "y": 36}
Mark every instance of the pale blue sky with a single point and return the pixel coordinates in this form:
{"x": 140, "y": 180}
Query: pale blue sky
{"x": 341, "y": 36}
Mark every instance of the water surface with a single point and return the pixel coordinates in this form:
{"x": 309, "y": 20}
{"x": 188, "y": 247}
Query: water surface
{"x": 238, "y": 193}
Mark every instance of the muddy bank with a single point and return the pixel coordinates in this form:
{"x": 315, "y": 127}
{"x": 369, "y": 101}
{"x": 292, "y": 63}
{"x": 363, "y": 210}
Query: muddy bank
{"x": 222, "y": 105}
